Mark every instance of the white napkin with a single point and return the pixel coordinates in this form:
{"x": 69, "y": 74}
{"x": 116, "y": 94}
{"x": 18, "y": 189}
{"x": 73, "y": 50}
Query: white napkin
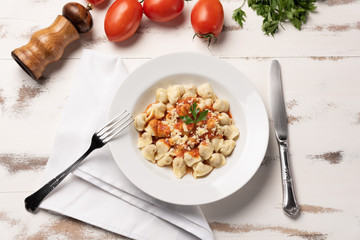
{"x": 103, "y": 196}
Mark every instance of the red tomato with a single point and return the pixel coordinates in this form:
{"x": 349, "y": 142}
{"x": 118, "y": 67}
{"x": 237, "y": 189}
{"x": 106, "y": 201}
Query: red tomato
{"x": 122, "y": 19}
{"x": 207, "y": 18}
{"x": 163, "y": 10}
{"x": 95, "y": 2}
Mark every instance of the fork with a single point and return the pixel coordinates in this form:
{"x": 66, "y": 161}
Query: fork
{"x": 99, "y": 139}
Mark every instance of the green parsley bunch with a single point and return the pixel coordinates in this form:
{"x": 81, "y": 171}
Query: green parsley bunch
{"x": 276, "y": 12}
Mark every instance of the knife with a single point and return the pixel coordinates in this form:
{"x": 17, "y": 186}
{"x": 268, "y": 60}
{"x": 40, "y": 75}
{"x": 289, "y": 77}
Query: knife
{"x": 277, "y": 104}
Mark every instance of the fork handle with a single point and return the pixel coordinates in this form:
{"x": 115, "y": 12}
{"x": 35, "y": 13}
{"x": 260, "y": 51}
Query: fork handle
{"x": 290, "y": 205}
{"x": 33, "y": 201}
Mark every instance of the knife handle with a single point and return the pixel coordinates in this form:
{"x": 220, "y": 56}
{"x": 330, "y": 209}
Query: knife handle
{"x": 290, "y": 205}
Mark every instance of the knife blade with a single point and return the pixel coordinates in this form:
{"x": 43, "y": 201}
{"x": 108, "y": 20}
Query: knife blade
{"x": 278, "y": 110}
{"x": 277, "y": 102}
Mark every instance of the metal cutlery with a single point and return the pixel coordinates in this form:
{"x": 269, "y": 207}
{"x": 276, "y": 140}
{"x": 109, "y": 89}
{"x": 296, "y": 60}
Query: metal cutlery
{"x": 99, "y": 139}
{"x": 277, "y": 104}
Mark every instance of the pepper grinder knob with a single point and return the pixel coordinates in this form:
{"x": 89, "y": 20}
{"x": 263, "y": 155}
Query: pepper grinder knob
{"x": 79, "y": 16}
{"x": 47, "y": 45}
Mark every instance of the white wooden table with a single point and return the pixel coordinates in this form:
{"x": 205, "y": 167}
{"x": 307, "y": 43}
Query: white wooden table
{"x": 321, "y": 77}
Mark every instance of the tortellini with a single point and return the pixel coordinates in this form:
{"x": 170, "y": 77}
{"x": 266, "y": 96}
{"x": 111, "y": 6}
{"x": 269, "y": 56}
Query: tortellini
{"x": 174, "y": 93}
{"x": 165, "y": 160}
{"x": 140, "y": 121}
{"x": 179, "y": 167}
{"x": 190, "y": 159}
{"x": 217, "y": 143}
{"x": 170, "y": 137}
{"x": 217, "y": 160}
{"x": 208, "y": 102}
{"x": 156, "y": 110}
{"x": 231, "y": 132}
{"x": 206, "y": 91}
{"x": 144, "y": 140}
{"x": 152, "y": 127}
{"x": 190, "y": 91}
{"x": 180, "y": 88}
{"x": 169, "y": 106}
{"x": 201, "y": 169}
{"x": 221, "y": 105}
{"x": 227, "y": 147}
{"x": 161, "y": 148}
{"x": 149, "y": 152}
{"x": 224, "y": 119}
{"x": 205, "y": 150}
{"x": 161, "y": 95}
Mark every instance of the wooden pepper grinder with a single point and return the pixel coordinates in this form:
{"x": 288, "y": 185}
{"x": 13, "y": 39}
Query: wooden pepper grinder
{"x": 47, "y": 45}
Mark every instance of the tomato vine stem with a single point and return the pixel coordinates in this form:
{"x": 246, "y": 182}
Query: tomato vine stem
{"x": 208, "y": 36}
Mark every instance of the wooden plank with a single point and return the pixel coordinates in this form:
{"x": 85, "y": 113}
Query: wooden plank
{"x": 17, "y": 223}
{"x": 320, "y": 67}
{"x": 243, "y": 217}
{"x": 320, "y": 37}
{"x": 334, "y": 109}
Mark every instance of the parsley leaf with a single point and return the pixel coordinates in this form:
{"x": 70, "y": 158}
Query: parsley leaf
{"x": 194, "y": 112}
{"x": 239, "y": 16}
{"x": 187, "y": 119}
{"x": 276, "y": 12}
{"x": 202, "y": 116}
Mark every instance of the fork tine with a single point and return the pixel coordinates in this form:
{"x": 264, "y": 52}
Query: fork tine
{"x": 119, "y": 122}
{"x": 118, "y": 127}
{"x": 110, "y": 124}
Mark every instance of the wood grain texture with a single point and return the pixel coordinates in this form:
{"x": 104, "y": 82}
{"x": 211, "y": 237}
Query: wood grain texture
{"x": 330, "y": 107}
{"x": 316, "y": 38}
{"x": 283, "y": 231}
{"x": 320, "y": 70}
{"x": 17, "y": 163}
{"x": 46, "y": 225}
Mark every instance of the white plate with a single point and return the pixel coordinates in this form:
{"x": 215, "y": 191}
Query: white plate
{"x": 138, "y": 91}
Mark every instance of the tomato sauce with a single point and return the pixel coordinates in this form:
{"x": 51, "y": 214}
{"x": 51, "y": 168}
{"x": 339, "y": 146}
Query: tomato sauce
{"x": 163, "y": 131}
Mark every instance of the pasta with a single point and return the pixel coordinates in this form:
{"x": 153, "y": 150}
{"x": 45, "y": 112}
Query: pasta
{"x": 161, "y": 148}
{"x": 231, "y": 131}
{"x": 217, "y": 142}
{"x": 190, "y": 159}
{"x": 140, "y": 121}
{"x": 224, "y": 119}
{"x": 205, "y": 150}
{"x": 161, "y": 95}
{"x": 179, "y": 167}
{"x": 152, "y": 127}
{"x": 221, "y": 105}
{"x": 158, "y": 110}
{"x": 190, "y": 91}
{"x": 174, "y": 93}
{"x": 144, "y": 140}
{"x": 201, "y": 169}
{"x": 206, "y": 91}
{"x": 217, "y": 160}
{"x": 149, "y": 152}
{"x": 188, "y": 128}
{"x": 227, "y": 147}
{"x": 165, "y": 160}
